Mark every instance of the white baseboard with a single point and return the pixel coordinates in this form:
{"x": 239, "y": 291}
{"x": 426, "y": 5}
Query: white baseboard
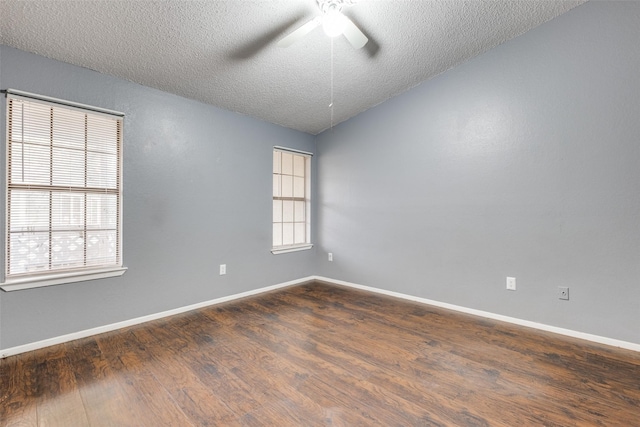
{"x": 567, "y": 332}
{"x": 11, "y": 351}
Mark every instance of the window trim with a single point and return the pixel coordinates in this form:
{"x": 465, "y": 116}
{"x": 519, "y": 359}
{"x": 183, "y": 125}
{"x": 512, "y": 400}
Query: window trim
{"x": 276, "y": 250}
{"x": 62, "y": 102}
{"x": 41, "y": 280}
{"x": 49, "y": 278}
{"x": 291, "y": 248}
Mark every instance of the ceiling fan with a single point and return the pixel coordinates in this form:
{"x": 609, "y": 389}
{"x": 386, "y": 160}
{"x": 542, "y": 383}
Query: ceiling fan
{"x": 333, "y": 22}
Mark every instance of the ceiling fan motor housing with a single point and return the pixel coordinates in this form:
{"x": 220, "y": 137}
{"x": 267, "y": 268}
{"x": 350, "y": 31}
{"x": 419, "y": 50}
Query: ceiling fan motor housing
{"x": 334, "y": 23}
{"x": 327, "y": 6}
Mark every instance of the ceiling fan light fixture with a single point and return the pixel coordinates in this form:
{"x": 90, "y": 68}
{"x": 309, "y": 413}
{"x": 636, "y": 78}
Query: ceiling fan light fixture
{"x": 333, "y": 23}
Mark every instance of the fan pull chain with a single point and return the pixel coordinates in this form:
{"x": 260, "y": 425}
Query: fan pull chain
{"x": 331, "y": 103}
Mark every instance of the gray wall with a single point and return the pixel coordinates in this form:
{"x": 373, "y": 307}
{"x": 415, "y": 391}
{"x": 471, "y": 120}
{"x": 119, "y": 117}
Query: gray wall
{"x": 197, "y": 193}
{"x": 521, "y": 162}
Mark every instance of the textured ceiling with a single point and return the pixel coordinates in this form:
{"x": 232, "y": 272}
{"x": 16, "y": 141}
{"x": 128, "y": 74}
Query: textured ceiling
{"x": 224, "y": 53}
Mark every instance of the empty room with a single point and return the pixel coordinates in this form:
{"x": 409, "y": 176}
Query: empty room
{"x": 320, "y": 213}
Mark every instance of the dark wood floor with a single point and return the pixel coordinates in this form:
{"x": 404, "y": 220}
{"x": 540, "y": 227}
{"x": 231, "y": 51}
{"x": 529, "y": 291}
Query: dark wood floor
{"x": 322, "y": 355}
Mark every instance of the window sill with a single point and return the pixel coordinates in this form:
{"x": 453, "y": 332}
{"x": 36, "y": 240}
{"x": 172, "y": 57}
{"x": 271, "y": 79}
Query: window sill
{"x": 294, "y": 248}
{"x": 30, "y": 282}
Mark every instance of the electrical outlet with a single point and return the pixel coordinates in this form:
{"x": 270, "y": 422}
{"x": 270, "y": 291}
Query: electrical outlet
{"x": 223, "y": 269}
{"x": 330, "y": 256}
{"x": 563, "y": 292}
{"x": 511, "y": 283}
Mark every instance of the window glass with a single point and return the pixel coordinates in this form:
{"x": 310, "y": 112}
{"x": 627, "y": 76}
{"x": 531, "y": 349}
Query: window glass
{"x": 63, "y": 188}
{"x": 291, "y": 199}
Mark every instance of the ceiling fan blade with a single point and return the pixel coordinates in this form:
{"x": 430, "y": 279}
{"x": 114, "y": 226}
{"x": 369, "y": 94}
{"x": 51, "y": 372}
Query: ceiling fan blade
{"x": 300, "y": 32}
{"x": 353, "y": 34}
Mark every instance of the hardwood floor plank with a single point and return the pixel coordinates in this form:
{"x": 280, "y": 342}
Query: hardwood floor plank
{"x": 104, "y": 399}
{"x": 546, "y": 408}
{"x": 59, "y": 402}
{"x": 17, "y": 392}
{"x": 531, "y": 373}
{"x": 239, "y": 396}
{"x": 287, "y": 402}
{"x": 280, "y": 362}
{"x": 340, "y": 379}
{"x": 186, "y": 381}
{"x": 331, "y": 351}
{"x": 322, "y": 355}
{"x": 145, "y": 395}
{"x": 281, "y": 388}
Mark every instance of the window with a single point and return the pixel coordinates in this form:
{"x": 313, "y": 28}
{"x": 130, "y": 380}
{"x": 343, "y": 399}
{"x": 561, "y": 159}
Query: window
{"x": 291, "y": 200}
{"x": 63, "y": 194}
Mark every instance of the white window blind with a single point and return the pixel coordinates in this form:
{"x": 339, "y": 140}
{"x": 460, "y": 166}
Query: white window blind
{"x": 291, "y": 199}
{"x": 64, "y": 185}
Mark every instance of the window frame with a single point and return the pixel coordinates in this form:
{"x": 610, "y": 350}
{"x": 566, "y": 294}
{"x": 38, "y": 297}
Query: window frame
{"x": 281, "y": 249}
{"x": 19, "y": 281}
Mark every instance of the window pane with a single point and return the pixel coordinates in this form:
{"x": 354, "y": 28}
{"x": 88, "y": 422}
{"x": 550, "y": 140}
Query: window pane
{"x": 101, "y": 247}
{"x": 277, "y": 234}
{"x": 102, "y": 170}
{"x": 30, "y": 164}
{"x": 29, "y": 210}
{"x": 298, "y": 165}
{"x": 287, "y": 163}
{"x": 287, "y": 186}
{"x": 277, "y": 211}
{"x": 37, "y": 123}
{"x": 28, "y": 252}
{"x": 67, "y": 211}
{"x": 102, "y": 134}
{"x": 287, "y": 234}
{"x": 102, "y": 210}
{"x": 290, "y": 216}
{"x": 287, "y": 211}
{"x": 68, "y": 167}
{"x": 277, "y": 184}
{"x": 68, "y": 128}
{"x": 299, "y": 212}
{"x": 67, "y": 249}
{"x": 51, "y": 146}
{"x": 276, "y": 162}
{"x": 14, "y": 128}
{"x": 299, "y": 233}
{"x": 298, "y": 187}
